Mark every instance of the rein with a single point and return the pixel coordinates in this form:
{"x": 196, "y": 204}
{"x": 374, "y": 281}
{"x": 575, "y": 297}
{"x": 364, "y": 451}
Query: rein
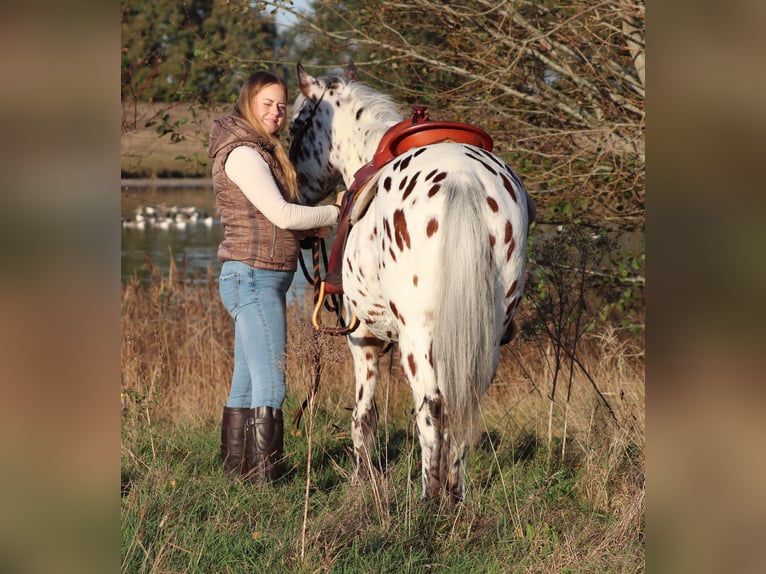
{"x": 318, "y": 249}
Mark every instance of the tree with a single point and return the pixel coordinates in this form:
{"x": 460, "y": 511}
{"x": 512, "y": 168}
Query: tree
{"x": 559, "y": 85}
{"x": 192, "y": 50}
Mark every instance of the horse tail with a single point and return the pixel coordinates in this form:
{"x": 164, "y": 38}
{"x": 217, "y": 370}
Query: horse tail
{"x": 469, "y": 313}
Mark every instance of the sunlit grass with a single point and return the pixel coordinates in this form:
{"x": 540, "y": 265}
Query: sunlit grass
{"x": 531, "y": 505}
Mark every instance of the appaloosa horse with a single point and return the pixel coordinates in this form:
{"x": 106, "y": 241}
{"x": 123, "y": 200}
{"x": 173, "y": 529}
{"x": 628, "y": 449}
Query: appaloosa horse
{"x": 436, "y": 263}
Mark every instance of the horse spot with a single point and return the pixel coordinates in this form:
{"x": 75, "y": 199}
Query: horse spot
{"x": 337, "y": 103}
{"x": 440, "y": 177}
{"x": 361, "y": 390}
{"x": 511, "y": 307}
{"x": 418, "y": 152}
{"x": 435, "y": 407}
{"x": 434, "y": 190}
{"x": 359, "y": 113}
{"x": 489, "y": 168}
{"x": 492, "y": 204}
{"x": 415, "y": 280}
{"x": 413, "y": 365}
{"x": 432, "y": 227}
{"x": 387, "y": 228}
{"x": 392, "y": 254}
{"x": 401, "y": 232}
{"x": 406, "y": 161}
{"x": 394, "y": 309}
{"x": 431, "y": 173}
{"x": 368, "y": 356}
{"x": 482, "y": 162}
{"x": 411, "y": 186}
{"x": 402, "y": 182}
{"x": 370, "y": 375}
{"x": 511, "y": 247}
{"x": 387, "y": 184}
{"x": 508, "y": 231}
{"x": 492, "y": 240}
{"x": 512, "y": 288}
{"x": 395, "y": 166}
{"x": 493, "y": 159}
{"x": 509, "y": 187}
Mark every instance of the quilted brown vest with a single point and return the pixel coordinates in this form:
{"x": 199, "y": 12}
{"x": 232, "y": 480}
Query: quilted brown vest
{"x": 248, "y": 236}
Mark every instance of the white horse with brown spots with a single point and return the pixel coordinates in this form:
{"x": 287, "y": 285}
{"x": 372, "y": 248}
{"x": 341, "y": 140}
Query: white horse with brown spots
{"x": 436, "y": 264}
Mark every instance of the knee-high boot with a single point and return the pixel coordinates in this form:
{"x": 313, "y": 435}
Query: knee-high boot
{"x": 233, "y": 439}
{"x": 264, "y": 445}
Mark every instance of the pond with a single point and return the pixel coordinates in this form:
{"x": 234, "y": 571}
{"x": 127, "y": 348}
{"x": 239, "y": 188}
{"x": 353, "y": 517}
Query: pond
{"x": 193, "y": 244}
{"x": 181, "y": 226}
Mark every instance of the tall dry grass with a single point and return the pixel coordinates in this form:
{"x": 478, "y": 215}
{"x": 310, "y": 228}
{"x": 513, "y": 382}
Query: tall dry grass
{"x": 176, "y": 346}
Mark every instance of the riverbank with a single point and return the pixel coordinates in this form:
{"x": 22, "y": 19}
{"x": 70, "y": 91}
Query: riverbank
{"x": 174, "y": 182}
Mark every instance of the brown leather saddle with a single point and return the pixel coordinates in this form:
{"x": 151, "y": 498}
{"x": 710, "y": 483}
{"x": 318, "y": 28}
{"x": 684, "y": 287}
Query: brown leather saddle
{"x": 417, "y": 131}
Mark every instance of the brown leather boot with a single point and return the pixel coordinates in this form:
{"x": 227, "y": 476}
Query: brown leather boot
{"x": 233, "y": 439}
{"x": 264, "y": 445}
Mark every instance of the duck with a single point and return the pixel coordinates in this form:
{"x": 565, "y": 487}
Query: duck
{"x": 164, "y": 217}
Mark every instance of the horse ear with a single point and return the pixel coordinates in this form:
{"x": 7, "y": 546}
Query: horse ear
{"x": 304, "y": 80}
{"x": 349, "y": 74}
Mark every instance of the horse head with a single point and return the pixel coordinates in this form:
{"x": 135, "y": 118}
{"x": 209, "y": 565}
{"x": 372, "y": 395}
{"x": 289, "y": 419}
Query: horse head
{"x": 312, "y": 135}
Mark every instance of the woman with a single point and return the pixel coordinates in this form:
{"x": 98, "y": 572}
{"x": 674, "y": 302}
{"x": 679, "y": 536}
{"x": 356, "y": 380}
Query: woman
{"x": 256, "y": 194}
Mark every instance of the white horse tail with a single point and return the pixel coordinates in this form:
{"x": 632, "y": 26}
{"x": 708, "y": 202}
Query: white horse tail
{"x": 468, "y": 319}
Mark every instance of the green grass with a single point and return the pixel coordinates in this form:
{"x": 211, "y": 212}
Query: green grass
{"x": 523, "y": 511}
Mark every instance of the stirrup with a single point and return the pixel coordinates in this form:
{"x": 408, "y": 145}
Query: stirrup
{"x": 330, "y": 330}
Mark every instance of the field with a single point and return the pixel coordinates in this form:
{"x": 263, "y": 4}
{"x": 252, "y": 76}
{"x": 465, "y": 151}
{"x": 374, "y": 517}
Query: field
{"x": 553, "y": 485}
{"x": 165, "y": 140}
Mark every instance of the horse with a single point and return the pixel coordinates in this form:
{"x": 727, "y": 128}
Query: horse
{"x": 435, "y": 264}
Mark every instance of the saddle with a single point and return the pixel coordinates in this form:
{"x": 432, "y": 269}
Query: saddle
{"x": 417, "y": 131}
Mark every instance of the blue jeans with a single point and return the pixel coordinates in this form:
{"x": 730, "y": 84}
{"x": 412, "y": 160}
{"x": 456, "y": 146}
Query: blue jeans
{"x": 255, "y": 298}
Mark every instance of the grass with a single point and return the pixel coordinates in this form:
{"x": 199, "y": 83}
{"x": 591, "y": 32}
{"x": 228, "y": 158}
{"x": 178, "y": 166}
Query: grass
{"x": 531, "y": 505}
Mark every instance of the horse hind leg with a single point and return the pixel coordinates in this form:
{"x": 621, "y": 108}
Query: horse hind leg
{"x": 456, "y": 472}
{"x": 443, "y": 460}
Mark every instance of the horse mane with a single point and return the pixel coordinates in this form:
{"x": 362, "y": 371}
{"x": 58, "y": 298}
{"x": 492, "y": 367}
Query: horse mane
{"x": 377, "y": 106}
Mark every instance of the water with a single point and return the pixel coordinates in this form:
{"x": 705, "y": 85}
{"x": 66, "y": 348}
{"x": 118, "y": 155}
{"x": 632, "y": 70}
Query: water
{"x": 193, "y": 248}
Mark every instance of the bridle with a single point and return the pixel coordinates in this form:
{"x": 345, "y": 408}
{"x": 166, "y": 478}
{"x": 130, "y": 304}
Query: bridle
{"x": 296, "y": 134}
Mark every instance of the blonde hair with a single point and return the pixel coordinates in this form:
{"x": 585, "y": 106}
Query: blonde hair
{"x": 254, "y": 84}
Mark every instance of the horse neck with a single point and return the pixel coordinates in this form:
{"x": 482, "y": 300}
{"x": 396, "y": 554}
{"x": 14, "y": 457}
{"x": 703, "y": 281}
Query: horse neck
{"x": 361, "y": 149}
